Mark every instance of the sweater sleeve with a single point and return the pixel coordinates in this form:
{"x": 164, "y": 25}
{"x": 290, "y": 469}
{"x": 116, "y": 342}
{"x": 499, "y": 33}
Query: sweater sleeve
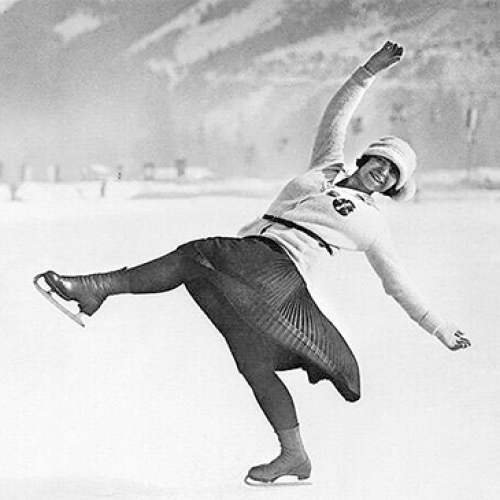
{"x": 401, "y": 287}
{"x": 329, "y": 143}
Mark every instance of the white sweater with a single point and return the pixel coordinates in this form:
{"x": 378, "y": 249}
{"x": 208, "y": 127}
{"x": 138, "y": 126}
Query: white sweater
{"x": 346, "y": 219}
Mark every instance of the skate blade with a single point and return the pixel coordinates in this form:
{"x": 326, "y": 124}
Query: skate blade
{"x": 49, "y": 295}
{"x": 283, "y": 481}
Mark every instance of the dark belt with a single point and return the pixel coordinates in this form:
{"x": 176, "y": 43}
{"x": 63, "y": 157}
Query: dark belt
{"x": 294, "y": 225}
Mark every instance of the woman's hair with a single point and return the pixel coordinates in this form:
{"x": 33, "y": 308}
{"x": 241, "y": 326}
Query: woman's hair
{"x": 392, "y": 191}
{"x": 361, "y": 161}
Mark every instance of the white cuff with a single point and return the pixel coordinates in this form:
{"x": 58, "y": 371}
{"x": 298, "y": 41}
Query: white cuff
{"x": 364, "y": 77}
{"x": 431, "y": 322}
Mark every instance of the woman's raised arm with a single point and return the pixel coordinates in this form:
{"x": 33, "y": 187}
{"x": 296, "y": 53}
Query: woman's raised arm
{"x": 328, "y": 149}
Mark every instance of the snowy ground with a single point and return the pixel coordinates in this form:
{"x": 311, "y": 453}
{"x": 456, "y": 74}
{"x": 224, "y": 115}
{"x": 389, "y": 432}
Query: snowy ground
{"x": 145, "y": 402}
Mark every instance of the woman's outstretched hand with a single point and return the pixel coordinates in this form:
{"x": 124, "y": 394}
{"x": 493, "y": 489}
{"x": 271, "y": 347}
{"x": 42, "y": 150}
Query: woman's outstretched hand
{"x": 388, "y": 55}
{"x": 452, "y": 338}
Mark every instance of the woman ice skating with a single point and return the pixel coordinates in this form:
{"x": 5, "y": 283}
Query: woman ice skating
{"x": 252, "y": 288}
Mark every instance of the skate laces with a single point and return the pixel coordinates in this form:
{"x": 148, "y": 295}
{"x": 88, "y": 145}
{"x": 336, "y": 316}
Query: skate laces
{"x": 103, "y": 284}
{"x": 288, "y": 460}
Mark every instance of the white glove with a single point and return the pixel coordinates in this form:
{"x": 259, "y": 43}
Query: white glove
{"x": 452, "y": 337}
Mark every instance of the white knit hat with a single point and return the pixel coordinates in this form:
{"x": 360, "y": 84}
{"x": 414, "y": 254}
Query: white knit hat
{"x": 397, "y": 151}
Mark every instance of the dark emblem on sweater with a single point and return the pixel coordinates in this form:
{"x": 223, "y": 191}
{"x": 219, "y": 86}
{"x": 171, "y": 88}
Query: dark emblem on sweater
{"x": 341, "y": 205}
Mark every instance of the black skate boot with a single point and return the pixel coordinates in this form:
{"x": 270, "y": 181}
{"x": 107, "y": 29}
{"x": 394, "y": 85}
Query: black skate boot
{"x": 88, "y": 291}
{"x": 292, "y": 461}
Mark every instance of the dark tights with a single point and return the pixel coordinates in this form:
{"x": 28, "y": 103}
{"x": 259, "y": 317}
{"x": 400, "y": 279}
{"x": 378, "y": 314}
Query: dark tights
{"x": 273, "y": 397}
{"x": 256, "y": 362}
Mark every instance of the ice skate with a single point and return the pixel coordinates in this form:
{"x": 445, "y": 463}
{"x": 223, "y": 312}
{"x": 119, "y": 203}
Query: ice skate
{"x": 88, "y": 291}
{"x": 291, "y": 467}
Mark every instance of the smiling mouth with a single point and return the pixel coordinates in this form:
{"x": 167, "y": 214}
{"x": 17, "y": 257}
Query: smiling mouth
{"x": 376, "y": 178}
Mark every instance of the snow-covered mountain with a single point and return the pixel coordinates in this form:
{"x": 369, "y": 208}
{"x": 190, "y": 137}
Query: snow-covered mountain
{"x": 121, "y": 81}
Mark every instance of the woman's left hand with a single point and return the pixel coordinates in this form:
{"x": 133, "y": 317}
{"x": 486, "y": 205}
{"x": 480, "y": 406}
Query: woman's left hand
{"x": 452, "y": 338}
{"x": 388, "y": 55}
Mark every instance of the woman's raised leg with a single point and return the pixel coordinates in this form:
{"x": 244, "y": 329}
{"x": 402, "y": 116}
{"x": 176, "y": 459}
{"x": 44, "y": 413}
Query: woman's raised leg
{"x": 90, "y": 291}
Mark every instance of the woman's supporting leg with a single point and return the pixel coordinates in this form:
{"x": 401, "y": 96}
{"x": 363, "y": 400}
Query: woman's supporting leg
{"x": 257, "y": 360}
{"x": 272, "y": 396}
{"x": 277, "y": 404}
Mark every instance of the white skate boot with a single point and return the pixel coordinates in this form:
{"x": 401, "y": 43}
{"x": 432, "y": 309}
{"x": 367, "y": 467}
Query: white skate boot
{"x": 291, "y": 462}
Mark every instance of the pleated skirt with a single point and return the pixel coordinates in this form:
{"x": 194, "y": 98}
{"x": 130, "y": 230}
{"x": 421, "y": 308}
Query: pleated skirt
{"x": 254, "y": 294}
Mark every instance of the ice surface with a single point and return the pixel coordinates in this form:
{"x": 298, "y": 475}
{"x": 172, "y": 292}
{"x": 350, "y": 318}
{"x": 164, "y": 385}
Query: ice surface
{"x": 146, "y": 403}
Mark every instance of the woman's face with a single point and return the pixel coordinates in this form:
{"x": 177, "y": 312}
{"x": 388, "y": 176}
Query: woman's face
{"x": 377, "y": 175}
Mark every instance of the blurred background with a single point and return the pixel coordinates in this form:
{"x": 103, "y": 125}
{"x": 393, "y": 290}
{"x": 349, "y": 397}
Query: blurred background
{"x": 113, "y": 90}
{"x": 117, "y": 113}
